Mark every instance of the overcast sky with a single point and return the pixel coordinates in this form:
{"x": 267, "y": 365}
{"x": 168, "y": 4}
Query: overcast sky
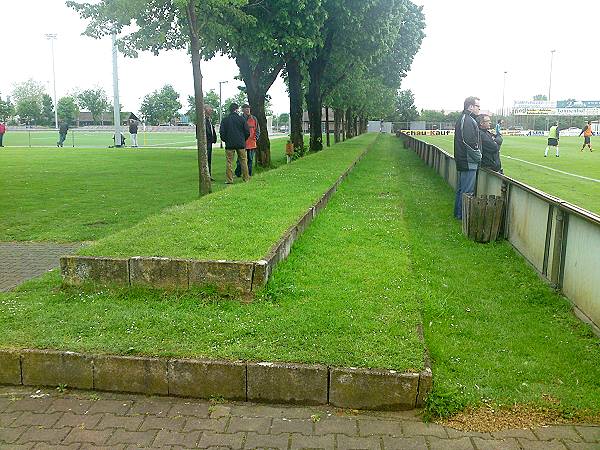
{"x": 469, "y": 46}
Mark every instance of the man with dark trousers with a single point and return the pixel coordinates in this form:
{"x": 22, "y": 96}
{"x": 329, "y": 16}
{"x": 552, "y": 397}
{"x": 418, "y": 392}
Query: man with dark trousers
{"x": 63, "y": 128}
{"x": 234, "y": 131}
{"x": 490, "y": 144}
{"x": 467, "y": 151}
{"x": 211, "y": 136}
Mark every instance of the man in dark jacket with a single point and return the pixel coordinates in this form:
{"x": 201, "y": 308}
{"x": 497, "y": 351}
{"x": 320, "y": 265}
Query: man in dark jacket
{"x": 234, "y": 131}
{"x": 133, "y": 130}
{"x": 62, "y": 133}
{"x": 211, "y": 136}
{"x": 490, "y": 144}
{"x": 467, "y": 152}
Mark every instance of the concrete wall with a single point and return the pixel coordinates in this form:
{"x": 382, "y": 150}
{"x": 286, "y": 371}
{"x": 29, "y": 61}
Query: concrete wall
{"x": 561, "y": 240}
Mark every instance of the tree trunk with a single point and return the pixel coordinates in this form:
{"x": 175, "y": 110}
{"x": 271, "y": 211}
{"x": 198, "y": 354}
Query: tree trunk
{"x": 313, "y": 100}
{"x": 204, "y": 185}
{"x": 258, "y": 80}
{"x": 256, "y": 98}
{"x": 295, "y": 87}
{"x": 349, "y": 125}
{"x": 327, "y": 125}
{"x": 343, "y": 118}
{"x": 336, "y": 125}
{"x": 314, "y": 97}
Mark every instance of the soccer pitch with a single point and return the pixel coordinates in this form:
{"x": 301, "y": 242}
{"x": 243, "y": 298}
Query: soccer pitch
{"x": 98, "y": 139}
{"x": 573, "y": 177}
{"x": 87, "y": 192}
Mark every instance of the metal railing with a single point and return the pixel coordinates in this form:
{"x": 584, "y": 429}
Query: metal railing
{"x": 559, "y": 239}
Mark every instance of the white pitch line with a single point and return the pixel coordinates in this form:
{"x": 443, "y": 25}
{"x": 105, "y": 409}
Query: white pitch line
{"x": 167, "y": 143}
{"x": 555, "y": 170}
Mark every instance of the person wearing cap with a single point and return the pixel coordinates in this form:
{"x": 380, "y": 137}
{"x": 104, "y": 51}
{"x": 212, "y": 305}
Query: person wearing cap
{"x": 234, "y": 131}
{"x": 254, "y": 128}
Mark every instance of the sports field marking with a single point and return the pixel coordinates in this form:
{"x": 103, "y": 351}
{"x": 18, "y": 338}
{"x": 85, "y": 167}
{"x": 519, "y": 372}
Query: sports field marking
{"x": 162, "y": 144}
{"x": 550, "y": 168}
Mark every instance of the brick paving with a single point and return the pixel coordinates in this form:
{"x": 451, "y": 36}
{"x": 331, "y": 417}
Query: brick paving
{"x": 92, "y": 420}
{"x": 20, "y": 261}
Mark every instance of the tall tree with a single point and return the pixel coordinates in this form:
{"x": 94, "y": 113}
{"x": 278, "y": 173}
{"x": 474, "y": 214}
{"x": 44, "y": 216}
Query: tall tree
{"x": 405, "y": 110}
{"x": 94, "y": 100}
{"x": 210, "y": 98}
{"x": 47, "y": 116}
{"x": 28, "y": 97}
{"x": 381, "y": 35}
{"x": 165, "y": 25}
{"x": 6, "y": 109}
{"x": 67, "y": 110}
{"x": 161, "y": 106}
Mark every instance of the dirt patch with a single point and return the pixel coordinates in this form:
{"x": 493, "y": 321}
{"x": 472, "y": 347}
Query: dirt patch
{"x": 488, "y": 418}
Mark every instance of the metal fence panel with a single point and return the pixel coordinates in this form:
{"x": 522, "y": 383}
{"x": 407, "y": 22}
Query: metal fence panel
{"x": 527, "y": 222}
{"x": 581, "y": 282}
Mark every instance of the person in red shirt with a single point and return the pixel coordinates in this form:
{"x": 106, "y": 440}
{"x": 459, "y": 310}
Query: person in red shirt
{"x": 252, "y": 122}
{"x": 2, "y": 131}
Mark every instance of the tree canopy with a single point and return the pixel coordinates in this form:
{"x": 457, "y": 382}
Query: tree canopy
{"x": 160, "y": 106}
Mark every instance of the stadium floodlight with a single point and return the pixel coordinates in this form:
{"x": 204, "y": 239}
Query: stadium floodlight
{"x": 503, "y": 91}
{"x": 221, "y": 107}
{"x": 51, "y": 37}
{"x": 550, "y": 83}
{"x": 116, "y": 104}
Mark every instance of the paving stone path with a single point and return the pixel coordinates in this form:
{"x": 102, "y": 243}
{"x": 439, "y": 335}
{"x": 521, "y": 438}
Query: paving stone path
{"x": 20, "y": 261}
{"x": 83, "y": 420}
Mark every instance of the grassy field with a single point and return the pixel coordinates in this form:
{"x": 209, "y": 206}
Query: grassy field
{"x": 582, "y": 192}
{"x": 384, "y": 250}
{"x": 328, "y": 303}
{"x": 98, "y": 139}
{"x": 77, "y": 194}
{"x": 219, "y": 226}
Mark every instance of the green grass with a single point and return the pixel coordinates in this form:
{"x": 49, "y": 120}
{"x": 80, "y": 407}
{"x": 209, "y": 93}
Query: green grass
{"x": 239, "y": 223}
{"x": 50, "y": 194}
{"x": 584, "y": 193}
{"x": 340, "y": 298}
{"x": 495, "y": 331}
{"x": 349, "y": 295}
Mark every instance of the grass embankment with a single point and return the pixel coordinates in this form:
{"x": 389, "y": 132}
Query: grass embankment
{"x": 579, "y": 191}
{"x": 496, "y": 332}
{"x": 50, "y": 194}
{"x": 239, "y": 223}
{"x": 341, "y": 298}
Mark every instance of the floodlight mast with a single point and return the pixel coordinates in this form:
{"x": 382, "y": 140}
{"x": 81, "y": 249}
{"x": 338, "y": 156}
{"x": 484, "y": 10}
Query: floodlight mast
{"x": 51, "y": 37}
{"x": 550, "y": 83}
{"x": 503, "y": 91}
{"x": 116, "y": 104}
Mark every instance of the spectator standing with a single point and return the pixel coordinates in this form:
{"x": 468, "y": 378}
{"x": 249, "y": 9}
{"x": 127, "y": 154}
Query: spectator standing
{"x": 254, "y": 128}
{"x": 490, "y": 144}
{"x": 499, "y": 127}
{"x": 211, "y": 136}
{"x": 2, "y": 131}
{"x": 467, "y": 151}
{"x": 133, "y": 130}
{"x": 63, "y": 128}
{"x": 234, "y": 131}
{"x": 553, "y": 138}
{"x": 587, "y": 136}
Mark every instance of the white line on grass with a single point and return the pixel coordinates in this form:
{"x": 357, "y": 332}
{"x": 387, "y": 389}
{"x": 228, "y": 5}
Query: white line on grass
{"x": 555, "y": 170}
